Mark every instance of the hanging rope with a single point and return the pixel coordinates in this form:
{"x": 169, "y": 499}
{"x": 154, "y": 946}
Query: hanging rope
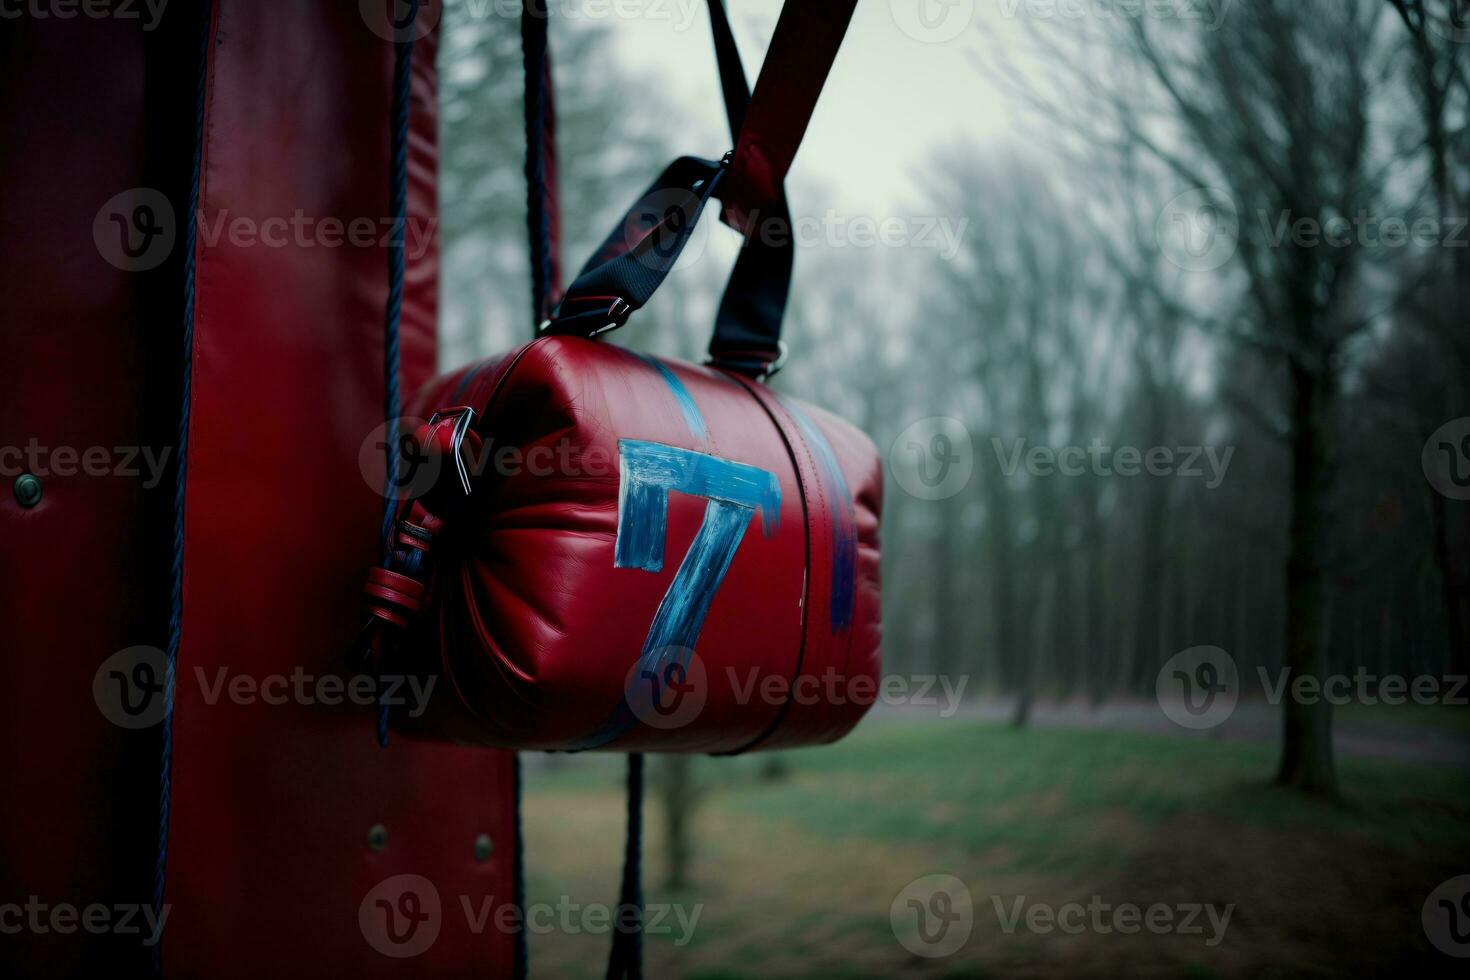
{"x": 176, "y": 602}
{"x": 542, "y": 213}
{"x": 626, "y": 962}
{"x": 393, "y": 316}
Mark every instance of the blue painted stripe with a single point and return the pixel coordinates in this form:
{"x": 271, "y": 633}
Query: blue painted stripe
{"x": 844, "y": 520}
{"x": 692, "y": 416}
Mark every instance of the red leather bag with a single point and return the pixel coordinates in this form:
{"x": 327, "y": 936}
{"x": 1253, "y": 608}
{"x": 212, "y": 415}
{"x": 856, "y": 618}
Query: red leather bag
{"x": 653, "y": 556}
{"x": 603, "y": 550}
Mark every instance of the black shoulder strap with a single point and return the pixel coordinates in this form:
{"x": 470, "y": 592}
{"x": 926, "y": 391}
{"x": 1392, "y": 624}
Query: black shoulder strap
{"x": 637, "y": 256}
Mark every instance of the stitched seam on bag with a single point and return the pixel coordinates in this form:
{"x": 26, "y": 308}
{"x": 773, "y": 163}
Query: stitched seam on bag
{"x": 786, "y": 429}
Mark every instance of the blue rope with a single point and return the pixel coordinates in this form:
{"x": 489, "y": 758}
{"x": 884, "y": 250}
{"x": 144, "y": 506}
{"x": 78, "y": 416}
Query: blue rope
{"x": 538, "y": 218}
{"x": 627, "y": 952}
{"x": 176, "y": 571}
{"x": 398, "y": 205}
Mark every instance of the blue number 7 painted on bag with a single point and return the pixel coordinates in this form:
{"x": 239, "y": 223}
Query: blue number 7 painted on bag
{"x": 649, "y": 472}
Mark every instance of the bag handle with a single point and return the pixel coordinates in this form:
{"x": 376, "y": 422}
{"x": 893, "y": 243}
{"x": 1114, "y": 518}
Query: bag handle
{"x": 636, "y": 257}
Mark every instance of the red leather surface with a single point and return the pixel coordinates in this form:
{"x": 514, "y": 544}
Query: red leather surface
{"x": 538, "y": 630}
{"x": 73, "y": 373}
{"x": 269, "y": 858}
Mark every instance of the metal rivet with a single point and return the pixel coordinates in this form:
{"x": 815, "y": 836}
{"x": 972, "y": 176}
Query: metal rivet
{"x": 28, "y": 490}
{"x": 483, "y": 846}
{"x": 377, "y": 837}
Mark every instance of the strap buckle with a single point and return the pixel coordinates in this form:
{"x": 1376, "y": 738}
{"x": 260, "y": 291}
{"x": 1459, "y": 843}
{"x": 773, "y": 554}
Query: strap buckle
{"x": 464, "y": 417}
{"x": 764, "y": 372}
{"x": 607, "y": 313}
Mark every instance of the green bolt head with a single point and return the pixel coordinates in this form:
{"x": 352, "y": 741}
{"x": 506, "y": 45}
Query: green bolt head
{"x": 377, "y": 837}
{"x": 28, "y": 490}
{"x": 483, "y": 846}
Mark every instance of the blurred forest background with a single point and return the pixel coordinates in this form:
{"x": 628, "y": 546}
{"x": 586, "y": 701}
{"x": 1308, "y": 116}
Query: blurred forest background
{"x": 1243, "y": 231}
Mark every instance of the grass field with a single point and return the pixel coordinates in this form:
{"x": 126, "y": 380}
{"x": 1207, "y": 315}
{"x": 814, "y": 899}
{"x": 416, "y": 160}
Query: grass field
{"x": 796, "y": 878}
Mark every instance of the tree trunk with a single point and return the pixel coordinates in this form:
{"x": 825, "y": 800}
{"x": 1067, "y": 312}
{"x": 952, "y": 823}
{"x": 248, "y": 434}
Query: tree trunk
{"x": 678, "y": 806}
{"x": 1003, "y": 585}
{"x": 1306, "y": 757}
{"x": 1456, "y": 597}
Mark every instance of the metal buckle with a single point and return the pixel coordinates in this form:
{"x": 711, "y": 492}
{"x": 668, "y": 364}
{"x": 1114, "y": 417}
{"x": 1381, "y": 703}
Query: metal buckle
{"x": 463, "y": 419}
{"x": 770, "y": 369}
{"x": 617, "y": 314}
{"x": 779, "y": 362}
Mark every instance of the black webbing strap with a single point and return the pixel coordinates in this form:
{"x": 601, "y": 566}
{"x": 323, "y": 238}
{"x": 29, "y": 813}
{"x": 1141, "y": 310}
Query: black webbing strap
{"x": 768, "y": 126}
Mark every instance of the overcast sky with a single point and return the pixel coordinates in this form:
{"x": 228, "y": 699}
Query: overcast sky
{"x": 901, "y": 87}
